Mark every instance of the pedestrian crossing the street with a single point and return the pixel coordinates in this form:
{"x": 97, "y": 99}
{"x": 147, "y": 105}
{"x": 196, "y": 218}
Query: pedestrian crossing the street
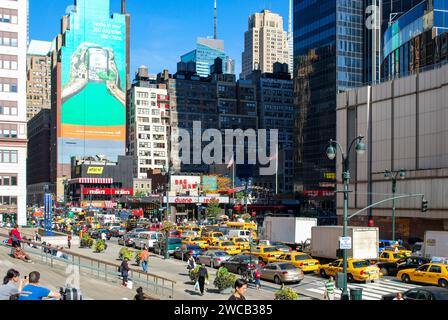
{"x": 370, "y": 291}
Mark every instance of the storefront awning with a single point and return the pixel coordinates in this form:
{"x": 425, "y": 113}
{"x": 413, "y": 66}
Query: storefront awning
{"x": 92, "y": 180}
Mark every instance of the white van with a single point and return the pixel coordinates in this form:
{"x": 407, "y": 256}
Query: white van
{"x": 239, "y": 233}
{"x": 147, "y": 238}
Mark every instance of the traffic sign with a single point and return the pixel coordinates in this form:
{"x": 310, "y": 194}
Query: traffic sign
{"x": 345, "y": 243}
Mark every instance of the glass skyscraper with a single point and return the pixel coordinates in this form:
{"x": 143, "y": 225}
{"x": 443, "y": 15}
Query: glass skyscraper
{"x": 207, "y": 50}
{"x": 328, "y": 58}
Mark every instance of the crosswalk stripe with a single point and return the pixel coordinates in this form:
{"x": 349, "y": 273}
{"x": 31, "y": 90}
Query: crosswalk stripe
{"x": 397, "y": 286}
{"x": 379, "y": 292}
{"x": 386, "y": 288}
{"x": 371, "y": 296}
{"x": 398, "y": 283}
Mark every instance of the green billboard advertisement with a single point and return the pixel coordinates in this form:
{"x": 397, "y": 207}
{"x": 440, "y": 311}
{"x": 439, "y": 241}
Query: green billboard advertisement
{"x": 93, "y": 83}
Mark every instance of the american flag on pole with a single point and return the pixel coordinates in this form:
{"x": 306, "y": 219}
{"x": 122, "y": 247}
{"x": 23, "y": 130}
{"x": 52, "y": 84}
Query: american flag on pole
{"x": 232, "y": 161}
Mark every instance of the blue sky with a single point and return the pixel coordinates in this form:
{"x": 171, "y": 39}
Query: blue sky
{"x": 163, "y": 30}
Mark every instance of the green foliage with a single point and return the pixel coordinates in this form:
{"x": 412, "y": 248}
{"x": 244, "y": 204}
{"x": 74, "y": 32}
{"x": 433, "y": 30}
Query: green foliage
{"x": 246, "y": 217}
{"x": 194, "y": 272}
{"x": 100, "y": 246}
{"x": 286, "y": 294}
{"x": 137, "y": 256}
{"x": 86, "y": 241}
{"x": 167, "y": 226}
{"x": 139, "y": 194}
{"x": 224, "y": 279}
{"x": 126, "y": 253}
{"x": 239, "y": 196}
{"x": 213, "y": 208}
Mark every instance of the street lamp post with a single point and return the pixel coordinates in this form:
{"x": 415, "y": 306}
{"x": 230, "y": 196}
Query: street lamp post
{"x": 331, "y": 154}
{"x": 166, "y": 170}
{"x": 394, "y": 175}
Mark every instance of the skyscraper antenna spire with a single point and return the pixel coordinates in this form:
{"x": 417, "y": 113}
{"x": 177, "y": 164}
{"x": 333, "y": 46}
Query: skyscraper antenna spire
{"x": 123, "y": 6}
{"x": 215, "y": 23}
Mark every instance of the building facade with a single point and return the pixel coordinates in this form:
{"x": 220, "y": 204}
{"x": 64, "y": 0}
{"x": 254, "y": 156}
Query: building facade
{"x": 417, "y": 39}
{"x": 207, "y": 50}
{"x": 38, "y": 77}
{"x": 13, "y": 131}
{"x": 265, "y": 43}
{"x": 405, "y": 120}
{"x": 275, "y": 99}
{"x": 38, "y": 169}
{"x": 89, "y": 66}
{"x": 327, "y": 60}
{"x": 148, "y": 124}
{"x": 98, "y": 182}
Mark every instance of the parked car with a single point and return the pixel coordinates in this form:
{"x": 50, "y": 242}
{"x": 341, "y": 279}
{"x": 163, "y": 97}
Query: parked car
{"x": 174, "y": 234}
{"x": 240, "y": 263}
{"x": 186, "y": 250}
{"x": 128, "y": 239}
{"x": 392, "y": 268}
{"x": 213, "y": 258}
{"x": 173, "y": 243}
{"x": 421, "y": 293}
{"x": 189, "y": 233}
{"x": 301, "y": 260}
{"x": 148, "y": 238}
{"x": 281, "y": 272}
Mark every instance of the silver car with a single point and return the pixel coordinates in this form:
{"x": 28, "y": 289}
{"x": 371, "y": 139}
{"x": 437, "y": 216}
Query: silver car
{"x": 281, "y": 272}
{"x": 128, "y": 239}
{"x": 213, "y": 258}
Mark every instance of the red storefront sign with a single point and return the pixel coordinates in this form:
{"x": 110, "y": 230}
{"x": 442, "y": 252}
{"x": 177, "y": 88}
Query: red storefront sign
{"x": 319, "y": 193}
{"x": 183, "y": 200}
{"x": 107, "y": 191}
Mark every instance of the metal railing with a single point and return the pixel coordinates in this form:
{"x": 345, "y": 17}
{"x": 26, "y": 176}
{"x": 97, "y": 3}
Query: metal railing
{"x": 103, "y": 270}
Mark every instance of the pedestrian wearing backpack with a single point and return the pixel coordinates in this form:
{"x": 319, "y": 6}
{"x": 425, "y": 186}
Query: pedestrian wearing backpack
{"x": 202, "y": 277}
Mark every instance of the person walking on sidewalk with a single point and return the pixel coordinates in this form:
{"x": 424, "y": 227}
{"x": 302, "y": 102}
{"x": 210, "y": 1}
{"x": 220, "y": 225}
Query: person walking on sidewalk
{"x": 69, "y": 240}
{"x": 144, "y": 256}
{"x": 202, "y": 277}
{"x": 124, "y": 270}
{"x": 329, "y": 289}
{"x": 240, "y": 290}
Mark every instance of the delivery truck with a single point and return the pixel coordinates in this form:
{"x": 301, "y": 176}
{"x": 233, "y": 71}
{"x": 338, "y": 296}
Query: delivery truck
{"x": 435, "y": 244}
{"x": 325, "y": 243}
{"x": 290, "y": 230}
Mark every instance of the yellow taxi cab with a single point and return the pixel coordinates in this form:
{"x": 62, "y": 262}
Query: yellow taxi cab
{"x": 390, "y": 256}
{"x": 430, "y": 273}
{"x": 357, "y": 270}
{"x": 242, "y": 243}
{"x": 195, "y": 240}
{"x": 212, "y": 237}
{"x": 266, "y": 253}
{"x": 225, "y": 245}
{"x": 300, "y": 260}
{"x": 399, "y": 249}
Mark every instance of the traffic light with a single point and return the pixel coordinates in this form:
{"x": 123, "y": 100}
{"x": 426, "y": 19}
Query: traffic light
{"x": 424, "y": 205}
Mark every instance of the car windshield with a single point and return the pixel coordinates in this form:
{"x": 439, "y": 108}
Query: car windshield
{"x": 194, "y": 247}
{"x": 417, "y": 247}
{"x": 227, "y": 243}
{"x": 287, "y": 266}
{"x": 174, "y": 240}
{"x": 361, "y": 264}
{"x": 303, "y": 257}
{"x": 239, "y": 240}
{"x": 221, "y": 253}
{"x": 270, "y": 249}
{"x": 196, "y": 239}
{"x": 217, "y": 235}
